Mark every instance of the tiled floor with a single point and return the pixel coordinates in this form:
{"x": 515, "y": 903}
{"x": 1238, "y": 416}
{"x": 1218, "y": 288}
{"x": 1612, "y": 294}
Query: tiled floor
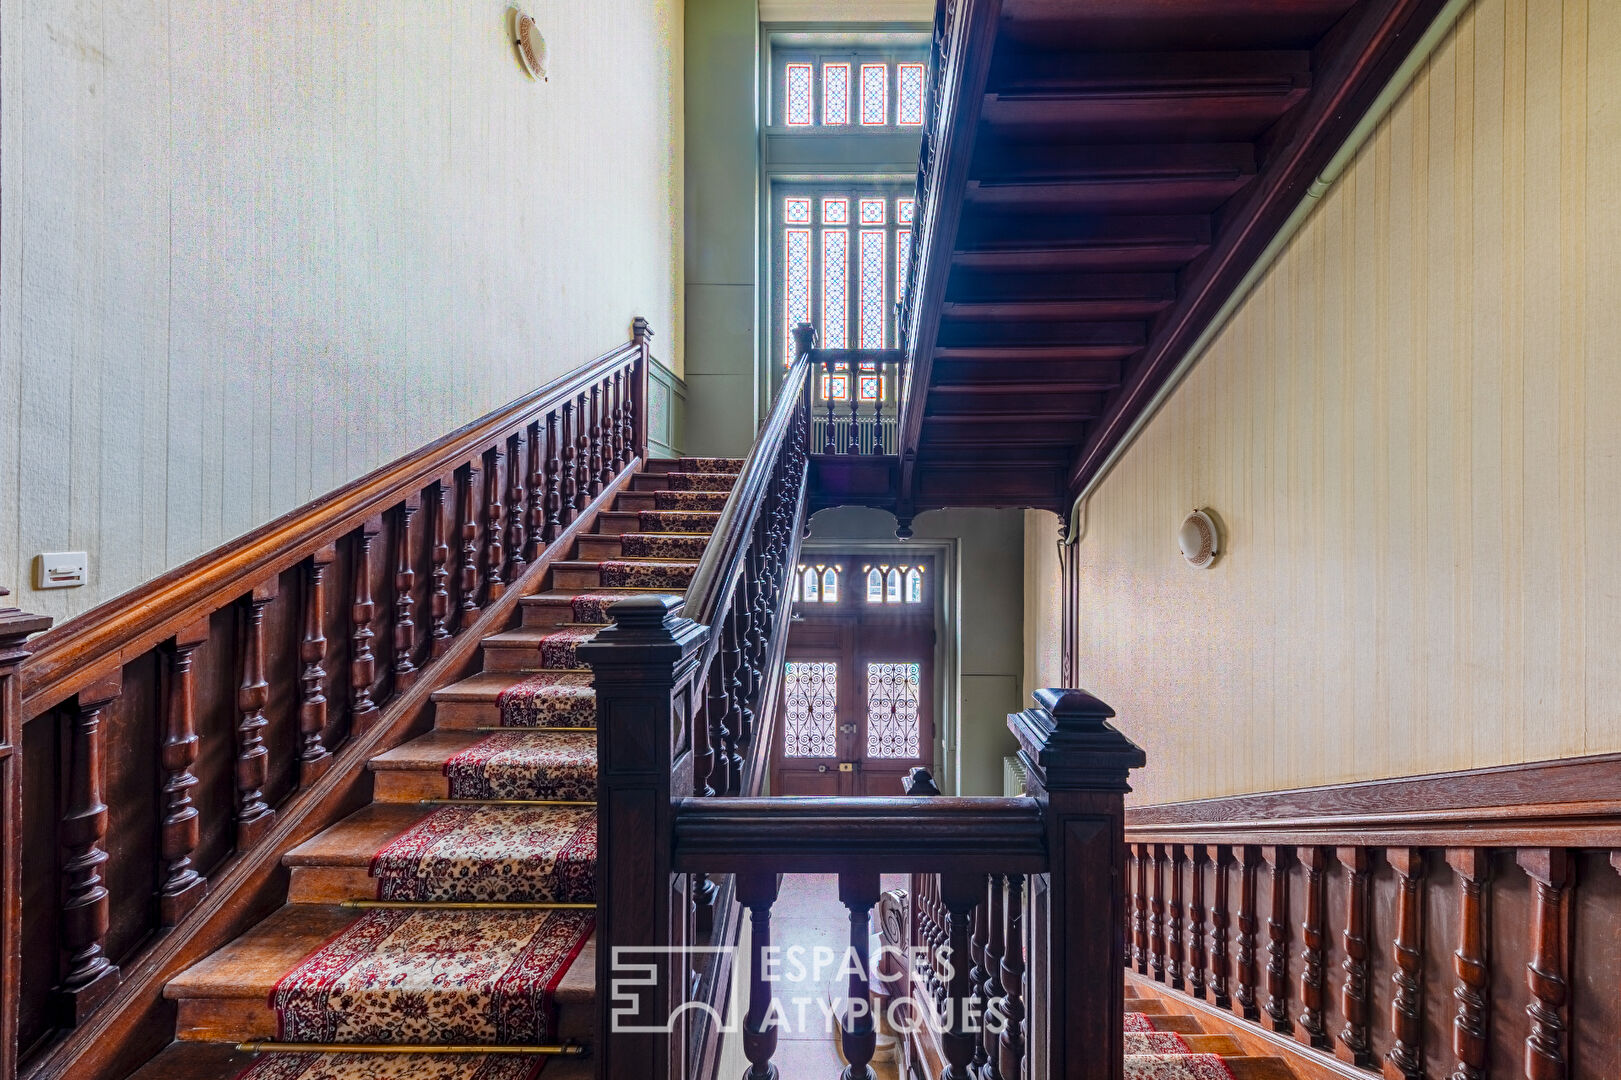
{"x": 808, "y": 914}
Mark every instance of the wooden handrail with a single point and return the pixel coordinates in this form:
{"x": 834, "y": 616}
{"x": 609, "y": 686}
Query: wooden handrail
{"x": 903, "y": 834}
{"x": 68, "y": 656}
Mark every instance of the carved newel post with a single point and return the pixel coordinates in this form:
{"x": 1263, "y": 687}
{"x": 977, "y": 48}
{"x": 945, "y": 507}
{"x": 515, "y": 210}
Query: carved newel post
{"x": 643, "y": 667}
{"x": 1077, "y": 764}
{"x": 15, "y": 627}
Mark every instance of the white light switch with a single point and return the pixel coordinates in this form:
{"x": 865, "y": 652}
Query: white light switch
{"x": 62, "y": 569}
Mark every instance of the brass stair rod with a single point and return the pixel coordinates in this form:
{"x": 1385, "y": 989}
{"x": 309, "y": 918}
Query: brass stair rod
{"x": 566, "y": 1050}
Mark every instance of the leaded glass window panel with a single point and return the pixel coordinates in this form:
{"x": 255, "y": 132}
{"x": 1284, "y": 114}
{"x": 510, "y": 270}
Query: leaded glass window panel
{"x": 807, "y": 586}
{"x": 892, "y": 587}
{"x": 796, "y": 211}
{"x": 874, "y": 94}
{"x": 872, "y": 211}
{"x": 797, "y": 95}
{"x": 835, "y": 94}
{"x": 835, "y": 279}
{"x": 909, "y": 93}
{"x": 797, "y": 274}
{"x": 835, "y": 211}
{"x": 830, "y": 585}
{"x": 893, "y": 694}
{"x": 873, "y": 267}
{"x": 811, "y": 696}
{"x": 875, "y": 586}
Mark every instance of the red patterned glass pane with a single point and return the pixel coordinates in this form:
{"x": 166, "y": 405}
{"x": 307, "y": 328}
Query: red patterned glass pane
{"x": 903, "y": 211}
{"x": 903, "y": 262}
{"x": 874, "y": 94}
{"x": 909, "y": 93}
{"x": 796, "y": 211}
{"x": 835, "y": 275}
{"x": 810, "y": 695}
{"x": 893, "y": 727}
{"x": 872, "y": 211}
{"x": 871, "y": 388}
{"x": 835, "y": 93}
{"x": 797, "y": 98}
{"x": 835, "y": 211}
{"x": 872, "y": 288}
{"x": 796, "y": 284}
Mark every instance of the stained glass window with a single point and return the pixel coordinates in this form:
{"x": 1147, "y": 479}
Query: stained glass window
{"x": 830, "y": 585}
{"x": 817, "y": 584}
{"x": 872, "y": 211}
{"x": 835, "y": 93}
{"x": 872, "y": 286}
{"x": 875, "y": 585}
{"x": 892, "y": 710}
{"x": 835, "y": 211}
{"x": 805, "y": 586}
{"x": 871, "y": 386}
{"x": 835, "y": 275}
{"x": 836, "y": 383}
{"x": 798, "y": 96}
{"x": 903, "y": 262}
{"x": 894, "y": 584}
{"x": 892, "y": 587}
{"x": 874, "y": 94}
{"x": 914, "y": 586}
{"x": 796, "y": 211}
{"x": 909, "y": 93}
{"x": 797, "y": 255}
{"x": 810, "y": 694}
{"x": 903, "y": 211}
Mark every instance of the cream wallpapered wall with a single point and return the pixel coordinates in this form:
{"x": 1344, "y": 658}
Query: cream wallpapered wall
{"x": 778, "y": 11}
{"x": 1412, "y": 433}
{"x": 248, "y": 253}
{"x": 1043, "y": 608}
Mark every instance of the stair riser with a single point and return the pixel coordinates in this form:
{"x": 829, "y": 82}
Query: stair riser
{"x": 618, "y": 521}
{"x": 634, "y": 500}
{"x": 410, "y": 785}
{"x": 600, "y": 547}
{"x": 252, "y": 1019}
{"x": 546, "y": 616}
{"x": 657, "y": 482}
{"x": 577, "y": 579}
{"x": 511, "y": 658}
{"x": 466, "y": 715}
{"x": 330, "y": 884}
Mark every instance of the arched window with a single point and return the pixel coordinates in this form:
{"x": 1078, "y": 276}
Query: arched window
{"x": 875, "y": 585}
{"x": 818, "y": 584}
{"x": 892, "y": 587}
{"x": 830, "y": 585}
{"x": 914, "y": 586}
{"x": 807, "y": 583}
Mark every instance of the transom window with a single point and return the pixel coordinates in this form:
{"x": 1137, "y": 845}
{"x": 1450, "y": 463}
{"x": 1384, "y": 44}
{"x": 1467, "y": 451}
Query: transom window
{"x": 860, "y": 88}
{"x": 886, "y": 584}
{"x": 818, "y": 584}
{"x": 844, "y": 253}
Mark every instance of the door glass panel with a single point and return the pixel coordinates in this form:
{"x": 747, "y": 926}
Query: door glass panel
{"x": 892, "y": 710}
{"x": 811, "y": 700}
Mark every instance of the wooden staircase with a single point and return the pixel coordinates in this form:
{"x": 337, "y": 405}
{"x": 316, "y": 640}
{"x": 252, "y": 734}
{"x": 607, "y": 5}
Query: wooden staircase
{"x": 1148, "y": 1058}
{"x": 522, "y": 728}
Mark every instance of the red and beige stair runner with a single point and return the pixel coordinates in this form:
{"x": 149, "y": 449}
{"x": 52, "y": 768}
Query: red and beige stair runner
{"x": 433, "y": 976}
{"x": 1176, "y": 1067}
{"x": 393, "y": 1067}
{"x": 493, "y": 854}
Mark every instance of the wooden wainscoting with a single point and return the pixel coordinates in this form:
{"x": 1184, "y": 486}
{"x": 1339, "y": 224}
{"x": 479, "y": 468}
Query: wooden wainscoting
{"x": 1464, "y": 925}
{"x": 176, "y": 740}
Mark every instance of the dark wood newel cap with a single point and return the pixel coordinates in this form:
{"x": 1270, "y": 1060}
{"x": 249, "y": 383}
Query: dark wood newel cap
{"x": 1067, "y": 743}
{"x": 16, "y": 625}
{"x": 648, "y": 623}
{"x": 640, "y": 330}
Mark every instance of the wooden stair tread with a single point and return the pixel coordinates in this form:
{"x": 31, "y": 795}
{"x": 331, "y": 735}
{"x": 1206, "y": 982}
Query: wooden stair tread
{"x": 1225, "y": 1045}
{"x": 427, "y": 751}
{"x": 354, "y": 840}
{"x": 223, "y": 1061}
{"x": 481, "y": 687}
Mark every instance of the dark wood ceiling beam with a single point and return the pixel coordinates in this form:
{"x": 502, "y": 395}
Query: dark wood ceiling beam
{"x": 1367, "y": 47}
{"x": 968, "y": 333}
{"x": 1060, "y": 385}
{"x": 1052, "y": 404}
{"x": 990, "y": 376}
{"x": 976, "y": 285}
{"x": 1062, "y": 353}
{"x": 1076, "y": 243}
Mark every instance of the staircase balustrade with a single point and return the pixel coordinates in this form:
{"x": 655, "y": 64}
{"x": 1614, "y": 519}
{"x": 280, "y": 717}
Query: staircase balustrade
{"x": 158, "y": 751}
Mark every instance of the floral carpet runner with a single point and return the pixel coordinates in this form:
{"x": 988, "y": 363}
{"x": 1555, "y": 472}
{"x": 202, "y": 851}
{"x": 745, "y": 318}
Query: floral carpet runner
{"x": 393, "y": 1067}
{"x": 493, "y": 854}
{"x": 1136, "y": 1021}
{"x": 433, "y": 976}
{"x": 1176, "y": 1067}
{"x": 1156, "y": 1042}
{"x": 549, "y": 699}
{"x": 559, "y": 765}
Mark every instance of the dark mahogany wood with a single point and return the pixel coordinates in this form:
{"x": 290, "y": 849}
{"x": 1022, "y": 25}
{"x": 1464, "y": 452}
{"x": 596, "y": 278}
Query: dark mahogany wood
{"x": 1175, "y": 950}
{"x": 467, "y": 530}
{"x": 1313, "y": 951}
{"x": 183, "y": 887}
{"x": 858, "y": 892}
{"x": 254, "y": 816}
{"x": 362, "y": 660}
{"x": 535, "y": 515}
{"x": 314, "y": 759}
{"x": 1156, "y": 913}
{"x": 570, "y": 471}
{"x": 1141, "y": 950}
{"x": 439, "y": 633}
{"x": 960, "y": 893}
{"x": 517, "y": 509}
{"x": 405, "y": 577}
{"x": 494, "y": 552}
{"x": 992, "y": 992}
{"x": 1197, "y": 949}
{"x": 1248, "y": 858}
{"x": 1406, "y": 1057}
{"x": 89, "y": 975}
{"x": 554, "y": 479}
{"x": 1546, "y": 1046}
{"x": 1470, "y": 963}
{"x": 583, "y": 418}
{"x": 594, "y": 470}
{"x": 1355, "y": 1044}
{"x": 757, "y": 892}
{"x": 1277, "y": 938}
{"x": 1011, "y": 1044}
{"x": 1221, "y": 857}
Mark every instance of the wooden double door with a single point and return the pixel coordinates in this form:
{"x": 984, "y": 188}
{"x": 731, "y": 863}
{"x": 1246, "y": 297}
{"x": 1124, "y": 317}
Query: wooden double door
{"x": 857, "y": 709}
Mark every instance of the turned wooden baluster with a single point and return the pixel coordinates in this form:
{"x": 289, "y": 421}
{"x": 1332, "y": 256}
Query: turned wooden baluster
{"x": 992, "y": 992}
{"x": 1221, "y": 857}
{"x": 710, "y": 770}
{"x": 830, "y": 441}
{"x": 628, "y": 425}
{"x": 1355, "y": 1044}
{"x": 1196, "y": 940}
{"x": 554, "y": 480}
{"x": 362, "y": 610}
{"x": 1175, "y": 956}
{"x": 1248, "y": 857}
{"x": 254, "y": 817}
{"x": 313, "y": 757}
{"x": 1545, "y": 1046}
{"x": 1469, "y": 963}
{"x": 961, "y": 893}
{"x": 1127, "y": 901}
{"x": 439, "y": 636}
{"x": 537, "y": 493}
{"x": 594, "y": 469}
{"x": 1010, "y": 1057}
{"x": 738, "y": 716}
{"x": 405, "y": 579}
{"x": 183, "y": 887}
{"x": 1406, "y": 1057}
{"x": 1156, "y": 914}
{"x": 618, "y": 458}
{"x": 858, "y": 892}
{"x": 517, "y": 509}
{"x": 570, "y": 467}
{"x": 494, "y": 584}
{"x": 1142, "y": 908}
{"x": 582, "y": 453}
{"x": 978, "y": 937}
{"x": 90, "y": 976}
{"x": 468, "y": 530}
{"x": 1314, "y": 860}
{"x": 1277, "y": 939}
{"x": 758, "y": 892}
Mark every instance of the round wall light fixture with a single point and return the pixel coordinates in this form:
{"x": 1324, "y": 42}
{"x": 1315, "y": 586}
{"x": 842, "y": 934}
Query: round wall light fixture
{"x": 1197, "y": 539}
{"x": 531, "y": 46}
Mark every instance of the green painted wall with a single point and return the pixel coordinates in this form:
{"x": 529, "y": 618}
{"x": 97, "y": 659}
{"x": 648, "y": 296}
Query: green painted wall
{"x": 722, "y": 180}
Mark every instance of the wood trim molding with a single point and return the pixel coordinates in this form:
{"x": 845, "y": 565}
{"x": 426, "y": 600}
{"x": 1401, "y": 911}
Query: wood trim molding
{"x": 1570, "y": 801}
{"x": 251, "y": 884}
{"x": 130, "y": 624}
